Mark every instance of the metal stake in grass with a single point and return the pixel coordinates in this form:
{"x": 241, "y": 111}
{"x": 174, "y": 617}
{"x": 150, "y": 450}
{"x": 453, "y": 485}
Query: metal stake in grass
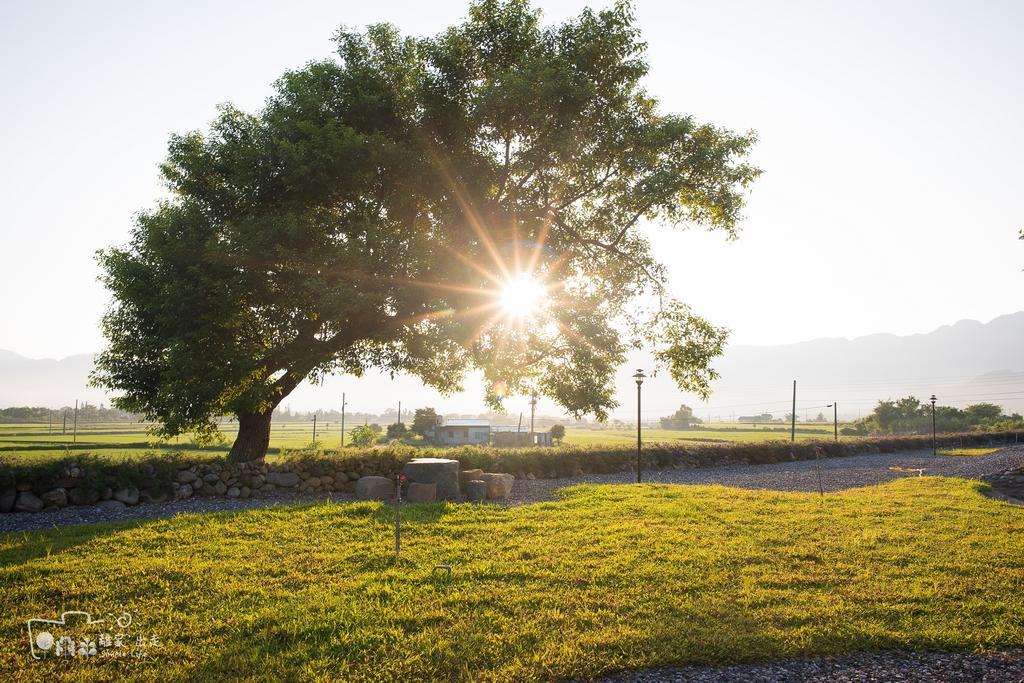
{"x": 398, "y": 517}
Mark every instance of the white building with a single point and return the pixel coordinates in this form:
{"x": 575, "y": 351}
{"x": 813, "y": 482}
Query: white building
{"x": 457, "y": 431}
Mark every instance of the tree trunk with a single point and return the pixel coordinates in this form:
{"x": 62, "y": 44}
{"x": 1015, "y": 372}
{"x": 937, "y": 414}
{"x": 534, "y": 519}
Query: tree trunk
{"x": 253, "y": 437}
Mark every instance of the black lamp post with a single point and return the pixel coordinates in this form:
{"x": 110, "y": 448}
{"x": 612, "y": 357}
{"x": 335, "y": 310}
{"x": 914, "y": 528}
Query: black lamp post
{"x": 835, "y": 418}
{"x": 934, "y": 450}
{"x": 639, "y": 377}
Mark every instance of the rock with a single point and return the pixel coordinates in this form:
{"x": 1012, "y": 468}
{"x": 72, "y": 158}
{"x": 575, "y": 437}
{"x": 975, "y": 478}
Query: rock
{"x": 499, "y": 486}
{"x": 475, "y": 490}
{"x": 57, "y": 497}
{"x": 245, "y": 492}
{"x": 7, "y": 499}
{"x": 421, "y": 493}
{"x": 24, "y": 486}
{"x": 80, "y": 496}
{"x": 234, "y": 492}
{"x": 107, "y": 493}
{"x": 221, "y": 488}
{"x": 313, "y": 483}
{"x": 129, "y": 495}
{"x": 111, "y": 505}
{"x": 186, "y": 476}
{"x": 466, "y": 476}
{"x": 28, "y": 502}
{"x": 531, "y": 476}
{"x": 375, "y": 488}
{"x": 184, "y": 491}
{"x": 287, "y": 479}
{"x": 211, "y": 478}
{"x": 147, "y": 496}
{"x": 440, "y": 471}
{"x": 198, "y": 484}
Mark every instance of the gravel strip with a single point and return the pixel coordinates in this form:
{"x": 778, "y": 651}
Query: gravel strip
{"x": 71, "y": 515}
{"x": 836, "y": 474}
{"x": 880, "y": 666}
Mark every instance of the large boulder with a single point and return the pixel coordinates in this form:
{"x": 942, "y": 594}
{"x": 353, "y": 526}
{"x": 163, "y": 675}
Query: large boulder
{"x": 475, "y": 490}
{"x": 28, "y": 502}
{"x": 111, "y": 505}
{"x": 375, "y": 488}
{"x": 129, "y": 495}
{"x": 440, "y": 471}
{"x": 83, "y": 496}
{"x": 499, "y": 486}
{"x": 286, "y": 479}
{"x": 186, "y": 476}
{"x": 421, "y": 493}
{"x": 57, "y": 497}
{"x": 466, "y": 476}
{"x": 7, "y": 499}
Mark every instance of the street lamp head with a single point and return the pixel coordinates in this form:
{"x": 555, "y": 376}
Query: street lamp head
{"x": 933, "y": 399}
{"x": 639, "y": 376}
{"x": 829, "y": 405}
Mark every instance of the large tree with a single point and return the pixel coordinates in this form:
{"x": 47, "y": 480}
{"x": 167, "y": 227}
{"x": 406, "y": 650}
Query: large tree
{"x": 430, "y": 206}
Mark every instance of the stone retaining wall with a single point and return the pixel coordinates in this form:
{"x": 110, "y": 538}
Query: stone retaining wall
{"x": 89, "y": 480}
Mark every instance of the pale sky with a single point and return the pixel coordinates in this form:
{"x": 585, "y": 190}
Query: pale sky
{"x": 890, "y": 136}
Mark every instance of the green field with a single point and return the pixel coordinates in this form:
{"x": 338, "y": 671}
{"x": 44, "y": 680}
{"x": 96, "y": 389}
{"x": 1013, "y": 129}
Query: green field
{"x": 611, "y": 577}
{"x": 712, "y": 433}
{"x": 128, "y": 440}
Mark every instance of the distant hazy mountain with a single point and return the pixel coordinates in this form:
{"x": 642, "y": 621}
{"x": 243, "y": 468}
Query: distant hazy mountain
{"x": 964, "y": 363}
{"x": 967, "y": 362}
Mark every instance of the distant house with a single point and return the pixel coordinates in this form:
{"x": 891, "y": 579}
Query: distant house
{"x": 456, "y": 431}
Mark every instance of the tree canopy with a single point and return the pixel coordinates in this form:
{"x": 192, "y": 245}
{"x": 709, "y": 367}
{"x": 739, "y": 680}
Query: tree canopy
{"x": 380, "y": 208}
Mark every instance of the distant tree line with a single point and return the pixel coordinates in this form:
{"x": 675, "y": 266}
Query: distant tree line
{"x": 87, "y": 412}
{"x": 911, "y": 416}
{"x": 681, "y": 419}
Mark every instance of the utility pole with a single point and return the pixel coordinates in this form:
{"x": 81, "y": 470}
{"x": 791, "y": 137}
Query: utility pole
{"x": 835, "y": 418}
{"x": 64, "y": 428}
{"x": 314, "y": 428}
{"x": 934, "y": 449}
{"x": 399, "y": 412}
{"x": 343, "y": 419}
{"x": 74, "y": 438}
{"x": 792, "y": 428}
{"x": 533, "y": 407}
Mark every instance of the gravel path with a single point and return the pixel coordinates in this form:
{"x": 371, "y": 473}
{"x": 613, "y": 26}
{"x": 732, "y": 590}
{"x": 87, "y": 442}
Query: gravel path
{"x": 836, "y": 474}
{"x": 877, "y": 666}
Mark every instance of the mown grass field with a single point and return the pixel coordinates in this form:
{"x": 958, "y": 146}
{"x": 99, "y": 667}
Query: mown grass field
{"x": 724, "y": 432}
{"x": 25, "y": 442}
{"x": 611, "y": 577}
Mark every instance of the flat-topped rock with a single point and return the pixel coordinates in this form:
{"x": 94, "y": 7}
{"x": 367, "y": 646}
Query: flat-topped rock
{"x": 440, "y": 471}
{"x": 375, "y": 488}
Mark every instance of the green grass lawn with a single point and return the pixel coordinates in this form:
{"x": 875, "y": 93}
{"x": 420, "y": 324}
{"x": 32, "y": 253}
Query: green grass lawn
{"x": 610, "y": 577}
{"x": 976, "y": 450}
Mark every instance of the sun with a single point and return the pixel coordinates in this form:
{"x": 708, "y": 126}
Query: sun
{"x": 522, "y": 296}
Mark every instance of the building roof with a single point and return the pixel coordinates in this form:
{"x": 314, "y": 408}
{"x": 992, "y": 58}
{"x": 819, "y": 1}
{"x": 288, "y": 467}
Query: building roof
{"x": 465, "y": 422}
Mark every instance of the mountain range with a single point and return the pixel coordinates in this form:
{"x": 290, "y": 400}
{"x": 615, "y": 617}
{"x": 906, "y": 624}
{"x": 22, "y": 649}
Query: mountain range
{"x": 963, "y": 363}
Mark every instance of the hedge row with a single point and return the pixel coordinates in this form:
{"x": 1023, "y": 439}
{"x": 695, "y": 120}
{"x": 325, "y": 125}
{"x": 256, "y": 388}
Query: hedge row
{"x": 158, "y": 472}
